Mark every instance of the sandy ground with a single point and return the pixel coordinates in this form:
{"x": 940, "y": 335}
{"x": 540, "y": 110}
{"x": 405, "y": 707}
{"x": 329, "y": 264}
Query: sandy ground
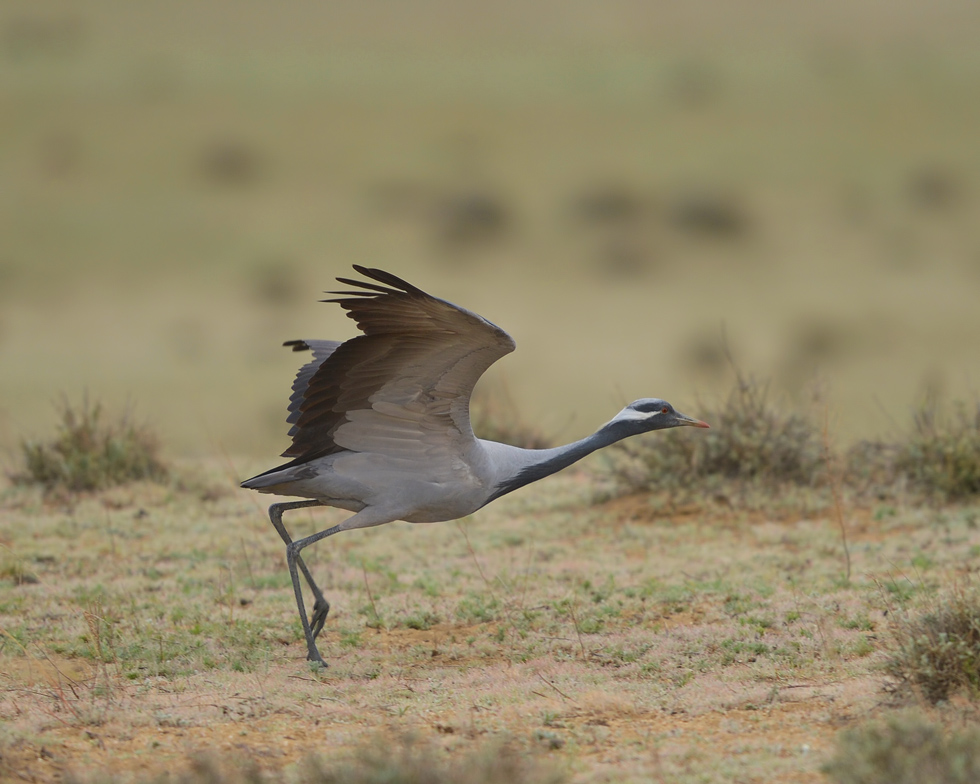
{"x": 622, "y": 641}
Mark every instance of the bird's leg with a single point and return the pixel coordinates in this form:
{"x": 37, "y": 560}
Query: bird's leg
{"x": 320, "y": 605}
{"x": 293, "y": 559}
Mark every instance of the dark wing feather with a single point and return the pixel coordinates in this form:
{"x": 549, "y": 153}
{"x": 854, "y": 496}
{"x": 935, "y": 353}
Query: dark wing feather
{"x": 322, "y": 349}
{"x": 418, "y": 361}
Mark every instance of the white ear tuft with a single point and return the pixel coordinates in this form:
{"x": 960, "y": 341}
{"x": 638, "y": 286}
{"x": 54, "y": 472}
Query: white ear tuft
{"x": 629, "y": 414}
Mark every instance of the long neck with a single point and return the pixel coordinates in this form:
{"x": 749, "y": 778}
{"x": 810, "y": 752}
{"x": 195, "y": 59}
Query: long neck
{"x": 530, "y": 465}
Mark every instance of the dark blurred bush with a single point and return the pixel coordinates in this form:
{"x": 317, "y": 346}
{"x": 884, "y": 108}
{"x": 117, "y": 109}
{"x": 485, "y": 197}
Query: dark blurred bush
{"x": 906, "y": 748}
{"x": 230, "y": 162}
{"x": 41, "y": 35}
{"x": 607, "y": 204}
{"x": 276, "y": 281}
{"x": 708, "y": 214}
{"x": 467, "y": 218}
{"x": 933, "y": 188}
{"x": 378, "y": 761}
{"x": 618, "y": 220}
{"x": 406, "y": 762}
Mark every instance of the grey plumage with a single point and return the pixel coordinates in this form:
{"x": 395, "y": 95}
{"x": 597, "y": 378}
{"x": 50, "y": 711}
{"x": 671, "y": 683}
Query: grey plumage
{"x": 381, "y": 427}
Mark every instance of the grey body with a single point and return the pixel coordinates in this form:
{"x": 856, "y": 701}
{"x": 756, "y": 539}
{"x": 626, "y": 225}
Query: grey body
{"x": 382, "y": 487}
{"x": 381, "y": 428}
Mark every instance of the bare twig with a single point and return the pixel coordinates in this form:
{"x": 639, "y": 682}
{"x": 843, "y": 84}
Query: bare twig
{"x": 578, "y": 631}
{"x": 527, "y": 574}
{"x": 248, "y": 563}
{"x": 479, "y": 568}
{"x": 560, "y": 692}
{"x": 367, "y": 587}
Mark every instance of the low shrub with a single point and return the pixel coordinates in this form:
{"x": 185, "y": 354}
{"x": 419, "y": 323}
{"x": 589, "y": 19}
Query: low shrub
{"x": 906, "y": 748}
{"x": 88, "y": 453}
{"x": 937, "y": 652}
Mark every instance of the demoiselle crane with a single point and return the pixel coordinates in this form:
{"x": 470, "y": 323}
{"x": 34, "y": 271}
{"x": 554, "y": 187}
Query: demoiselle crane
{"x": 381, "y": 423}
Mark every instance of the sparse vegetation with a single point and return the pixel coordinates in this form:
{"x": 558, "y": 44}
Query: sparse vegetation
{"x": 88, "y": 453}
{"x": 750, "y": 440}
{"x": 906, "y": 748}
{"x": 938, "y": 650}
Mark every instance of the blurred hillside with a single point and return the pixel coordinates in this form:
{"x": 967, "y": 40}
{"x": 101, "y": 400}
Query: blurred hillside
{"x": 619, "y": 185}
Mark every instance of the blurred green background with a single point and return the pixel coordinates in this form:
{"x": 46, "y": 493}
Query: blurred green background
{"x": 623, "y": 186}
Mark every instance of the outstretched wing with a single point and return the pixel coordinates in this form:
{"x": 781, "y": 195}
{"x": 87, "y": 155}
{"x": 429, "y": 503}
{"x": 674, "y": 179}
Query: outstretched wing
{"x": 402, "y": 386}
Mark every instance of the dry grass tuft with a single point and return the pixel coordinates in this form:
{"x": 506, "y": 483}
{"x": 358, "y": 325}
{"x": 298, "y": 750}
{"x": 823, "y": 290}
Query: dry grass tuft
{"x": 938, "y": 651}
{"x": 750, "y": 440}
{"x": 90, "y": 454}
{"x": 906, "y": 748}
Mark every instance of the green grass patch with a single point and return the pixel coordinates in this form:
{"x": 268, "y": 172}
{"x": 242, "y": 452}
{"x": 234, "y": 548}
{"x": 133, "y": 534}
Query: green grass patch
{"x": 477, "y": 608}
{"x": 421, "y": 620}
{"x": 860, "y": 622}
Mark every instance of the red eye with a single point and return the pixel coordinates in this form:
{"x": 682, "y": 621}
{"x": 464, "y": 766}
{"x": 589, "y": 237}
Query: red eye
{"x": 664, "y": 410}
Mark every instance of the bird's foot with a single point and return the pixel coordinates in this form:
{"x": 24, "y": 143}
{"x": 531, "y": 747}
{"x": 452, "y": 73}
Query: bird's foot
{"x": 321, "y": 607}
{"x": 316, "y": 660}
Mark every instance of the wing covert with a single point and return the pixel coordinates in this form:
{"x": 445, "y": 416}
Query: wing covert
{"x": 409, "y": 377}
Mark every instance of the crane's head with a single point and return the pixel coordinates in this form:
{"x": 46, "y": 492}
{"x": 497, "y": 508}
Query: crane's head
{"x": 652, "y": 413}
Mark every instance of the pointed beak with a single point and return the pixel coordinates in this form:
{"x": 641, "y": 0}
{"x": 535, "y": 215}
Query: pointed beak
{"x": 683, "y": 419}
